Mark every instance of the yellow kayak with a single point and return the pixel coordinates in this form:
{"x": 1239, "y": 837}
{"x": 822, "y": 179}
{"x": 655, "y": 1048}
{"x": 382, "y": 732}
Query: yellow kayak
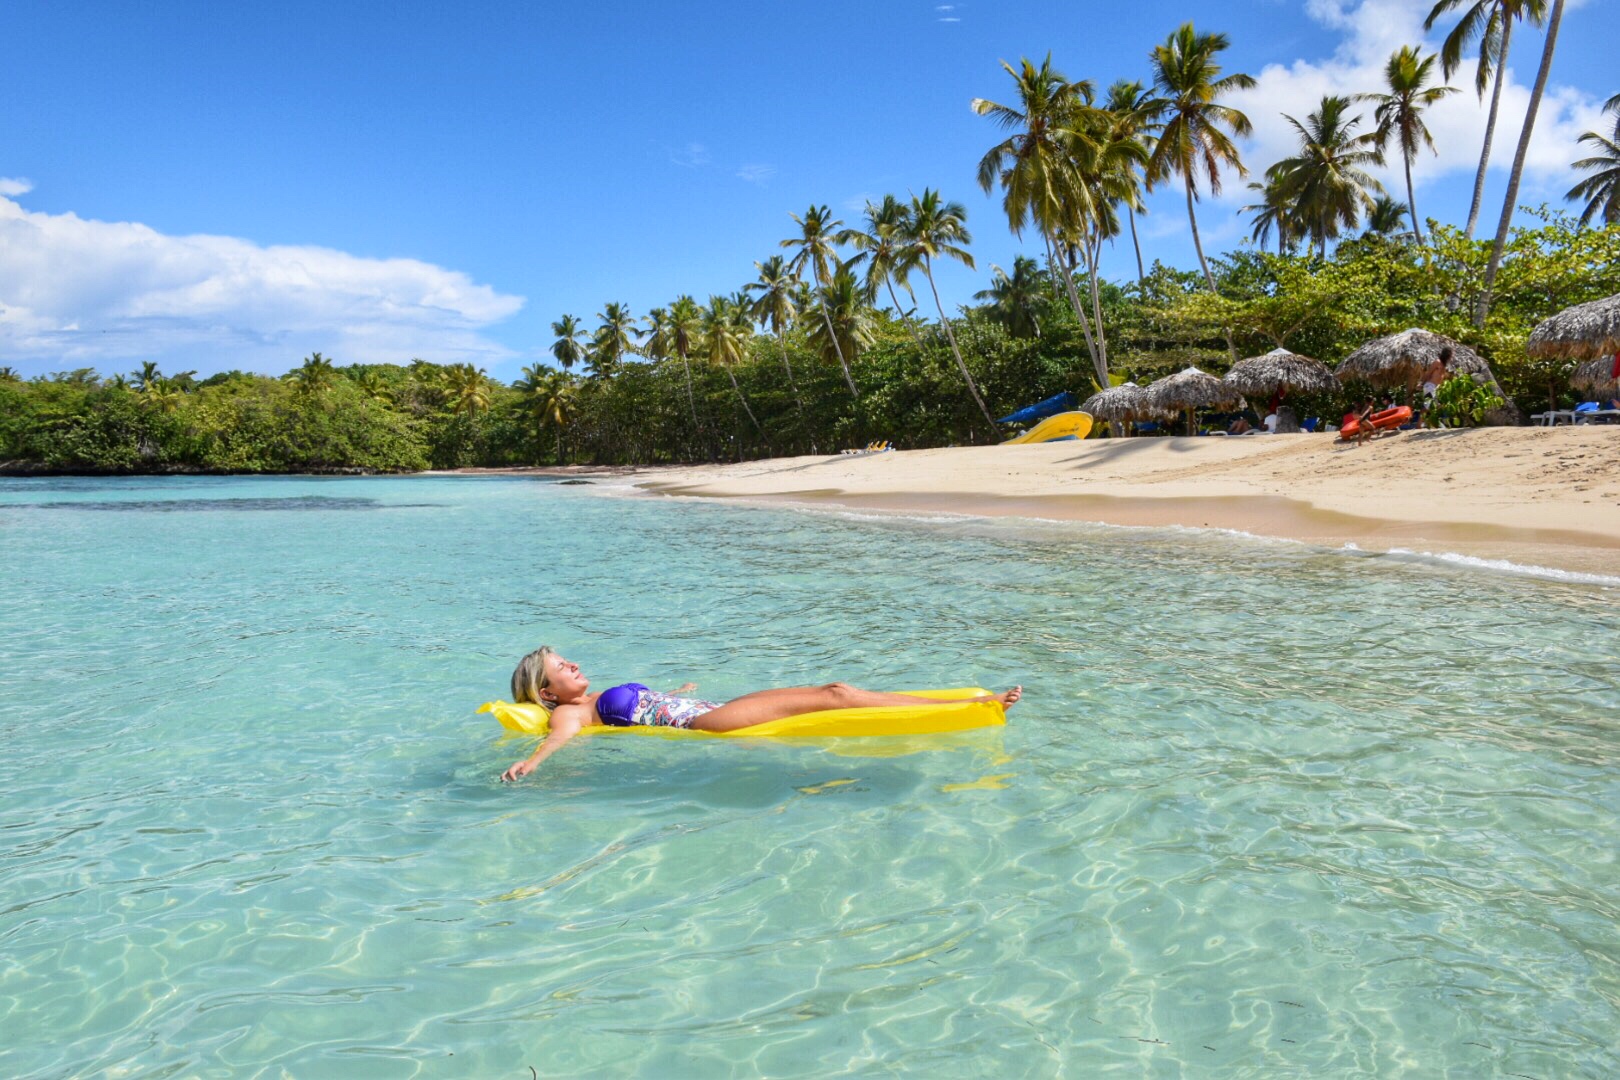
{"x": 1067, "y": 425}
{"x": 830, "y": 723}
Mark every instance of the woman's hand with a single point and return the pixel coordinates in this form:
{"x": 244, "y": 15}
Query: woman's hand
{"x": 687, "y": 689}
{"x": 519, "y": 770}
{"x": 565, "y": 722}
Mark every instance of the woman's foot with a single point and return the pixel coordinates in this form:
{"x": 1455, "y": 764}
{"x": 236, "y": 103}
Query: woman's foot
{"x": 1008, "y": 698}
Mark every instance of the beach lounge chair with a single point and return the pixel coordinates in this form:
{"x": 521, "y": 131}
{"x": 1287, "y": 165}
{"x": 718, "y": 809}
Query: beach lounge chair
{"x": 1553, "y": 417}
{"x": 1592, "y": 412}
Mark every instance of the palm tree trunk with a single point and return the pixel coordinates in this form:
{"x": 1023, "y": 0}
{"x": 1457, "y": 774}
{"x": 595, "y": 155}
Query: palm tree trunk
{"x": 833, "y": 334}
{"x": 1198, "y": 244}
{"x": 1079, "y": 308}
{"x": 691, "y": 399}
{"x": 1096, "y": 308}
{"x": 1484, "y": 305}
{"x": 1490, "y": 128}
{"x": 1411, "y": 201}
{"x": 732, "y": 376}
{"x": 1141, "y": 275}
{"x": 781, "y": 343}
{"x": 973, "y": 389}
{"x": 895, "y": 300}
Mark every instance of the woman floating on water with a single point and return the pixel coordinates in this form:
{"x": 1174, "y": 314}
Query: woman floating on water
{"x": 544, "y": 678}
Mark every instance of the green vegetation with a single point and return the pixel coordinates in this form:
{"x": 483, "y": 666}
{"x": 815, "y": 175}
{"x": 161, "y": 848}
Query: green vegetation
{"x": 803, "y": 359}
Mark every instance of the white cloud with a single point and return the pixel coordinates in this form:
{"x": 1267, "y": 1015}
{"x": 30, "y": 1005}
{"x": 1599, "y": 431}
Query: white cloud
{"x": 1372, "y": 30}
{"x": 756, "y": 174}
{"x": 690, "y": 156}
{"x": 13, "y": 186}
{"x": 77, "y": 292}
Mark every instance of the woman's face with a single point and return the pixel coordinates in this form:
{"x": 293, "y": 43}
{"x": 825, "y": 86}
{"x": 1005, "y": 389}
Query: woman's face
{"x": 563, "y": 680}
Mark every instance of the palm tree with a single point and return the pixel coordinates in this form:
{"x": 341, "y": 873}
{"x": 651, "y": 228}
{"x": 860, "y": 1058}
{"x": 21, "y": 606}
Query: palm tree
{"x": 1328, "y": 181}
{"x": 1386, "y": 218}
{"x": 1274, "y": 212}
{"x": 467, "y": 388}
{"x": 370, "y": 383}
{"x": 727, "y": 330}
{"x": 549, "y": 395}
{"x": 774, "y": 304}
{"x": 1017, "y": 300}
{"x": 615, "y": 338}
{"x": 163, "y": 394}
{"x": 938, "y": 229}
{"x": 1491, "y": 22}
{"x": 149, "y": 374}
{"x": 9, "y": 374}
{"x": 567, "y": 350}
{"x": 1601, "y": 190}
{"x": 1106, "y": 160}
{"x": 1052, "y": 122}
{"x": 817, "y": 235}
{"x": 1400, "y": 113}
{"x": 1127, "y": 104}
{"x": 849, "y": 327}
{"x": 1554, "y": 17}
{"x": 314, "y": 375}
{"x": 882, "y": 247}
{"x": 685, "y": 323}
{"x": 1192, "y": 139}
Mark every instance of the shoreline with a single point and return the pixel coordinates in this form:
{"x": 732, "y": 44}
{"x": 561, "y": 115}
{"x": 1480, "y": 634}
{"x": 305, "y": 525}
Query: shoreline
{"x": 1535, "y": 497}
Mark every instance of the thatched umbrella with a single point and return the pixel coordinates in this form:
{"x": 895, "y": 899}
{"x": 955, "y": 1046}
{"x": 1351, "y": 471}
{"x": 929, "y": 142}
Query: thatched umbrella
{"x": 1280, "y": 371}
{"x": 1597, "y": 376}
{"x": 1120, "y": 404}
{"x": 1190, "y": 390}
{"x": 1582, "y": 332}
{"x": 1401, "y": 359}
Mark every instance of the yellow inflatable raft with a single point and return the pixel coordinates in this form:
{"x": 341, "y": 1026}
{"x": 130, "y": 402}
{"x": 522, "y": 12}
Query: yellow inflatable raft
{"x": 830, "y": 723}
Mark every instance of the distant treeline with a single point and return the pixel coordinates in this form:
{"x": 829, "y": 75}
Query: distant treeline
{"x": 769, "y": 394}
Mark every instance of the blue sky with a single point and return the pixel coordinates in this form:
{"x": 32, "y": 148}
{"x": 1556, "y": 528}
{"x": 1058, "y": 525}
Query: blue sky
{"x": 219, "y": 186}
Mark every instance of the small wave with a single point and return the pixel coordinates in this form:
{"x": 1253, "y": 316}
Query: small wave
{"x": 1500, "y": 566}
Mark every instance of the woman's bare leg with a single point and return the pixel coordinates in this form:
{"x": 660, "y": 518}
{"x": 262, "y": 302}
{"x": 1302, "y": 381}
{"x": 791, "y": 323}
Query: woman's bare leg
{"x": 763, "y": 706}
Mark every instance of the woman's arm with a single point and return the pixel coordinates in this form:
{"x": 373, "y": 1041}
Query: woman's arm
{"x": 565, "y": 724}
{"x": 686, "y": 689}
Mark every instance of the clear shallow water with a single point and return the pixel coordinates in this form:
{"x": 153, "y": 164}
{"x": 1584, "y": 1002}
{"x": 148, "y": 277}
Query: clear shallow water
{"x": 250, "y": 824}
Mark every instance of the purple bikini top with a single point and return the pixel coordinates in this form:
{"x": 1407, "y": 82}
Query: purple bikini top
{"x": 617, "y": 705}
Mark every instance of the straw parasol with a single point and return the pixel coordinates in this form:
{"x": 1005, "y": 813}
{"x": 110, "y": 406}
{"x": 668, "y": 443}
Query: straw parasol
{"x": 1189, "y": 390}
{"x": 1401, "y": 359}
{"x": 1120, "y": 404}
{"x": 1597, "y": 376}
{"x": 1280, "y": 371}
{"x": 1582, "y": 332}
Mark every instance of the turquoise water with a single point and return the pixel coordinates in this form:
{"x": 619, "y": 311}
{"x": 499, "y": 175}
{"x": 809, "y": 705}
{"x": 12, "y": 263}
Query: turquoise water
{"x": 1265, "y": 810}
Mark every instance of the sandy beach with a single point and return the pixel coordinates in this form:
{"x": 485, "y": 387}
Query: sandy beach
{"x": 1536, "y": 496}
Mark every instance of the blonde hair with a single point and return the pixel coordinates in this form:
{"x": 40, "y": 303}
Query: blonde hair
{"x": 529, "y": 678}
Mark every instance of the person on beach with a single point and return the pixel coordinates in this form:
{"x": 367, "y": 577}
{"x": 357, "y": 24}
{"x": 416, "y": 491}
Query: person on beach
{"x": 1361, "y": 413}
{"x": 544, "y": 678}
{"x": 1434, "y": 376}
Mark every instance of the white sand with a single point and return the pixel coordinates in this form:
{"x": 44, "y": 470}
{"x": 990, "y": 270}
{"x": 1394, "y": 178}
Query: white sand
{"x": 1544, "y": 497}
